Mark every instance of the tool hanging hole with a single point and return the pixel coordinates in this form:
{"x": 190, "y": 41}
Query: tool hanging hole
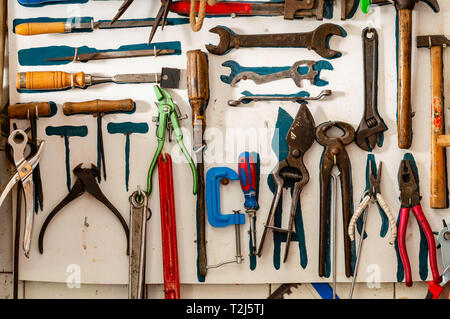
{"x": 19, "y": 138}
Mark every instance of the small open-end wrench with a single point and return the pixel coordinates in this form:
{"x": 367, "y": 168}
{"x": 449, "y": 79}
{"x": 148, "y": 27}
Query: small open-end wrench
{"x": 299, "y": 71}
{"x": 248, "y": 97}
{"x": 317, "y": 40}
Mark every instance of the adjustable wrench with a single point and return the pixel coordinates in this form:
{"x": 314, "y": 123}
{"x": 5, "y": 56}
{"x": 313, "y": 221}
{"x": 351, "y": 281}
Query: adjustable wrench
{"x": 317, "y": 40}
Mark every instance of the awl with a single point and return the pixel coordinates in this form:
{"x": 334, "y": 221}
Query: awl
{"x": 35, "y": 28}
{"x": 56, "y": 80}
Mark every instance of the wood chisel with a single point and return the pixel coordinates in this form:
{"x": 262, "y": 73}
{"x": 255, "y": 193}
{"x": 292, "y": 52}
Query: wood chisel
{"x": 35, "y": 28}
{"x": 56, "y": 80}
{"x": 113, "y": 54}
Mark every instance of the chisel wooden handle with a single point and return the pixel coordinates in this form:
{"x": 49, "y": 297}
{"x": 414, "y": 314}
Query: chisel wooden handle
{"x": 98, "y": 106}
{"x": 404, "y": 79}
{"x": 198, "y": 93}
{"x": 34, "y": 28}
{"x": 28, "y": 110}
{"x": 50, "y": 80}
{"x": 438, "y": 185}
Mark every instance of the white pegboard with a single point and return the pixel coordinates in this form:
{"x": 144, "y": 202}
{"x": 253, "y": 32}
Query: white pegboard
{"x": 99, "y": 249}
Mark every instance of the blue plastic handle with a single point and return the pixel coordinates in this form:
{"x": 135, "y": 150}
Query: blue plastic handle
{"x": 45, "y": 2}
{"x": 215, "y": 217}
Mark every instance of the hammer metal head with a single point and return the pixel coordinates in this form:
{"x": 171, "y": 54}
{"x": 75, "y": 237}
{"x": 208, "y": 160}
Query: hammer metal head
{"x": 428, "y": 41}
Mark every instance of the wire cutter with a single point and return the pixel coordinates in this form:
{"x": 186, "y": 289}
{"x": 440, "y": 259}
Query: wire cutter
{"x": 167, "y": 111}
{"x": 18, "y": 140}
{"x": 410, "y": 198}
{"x": 161, "y": 17}
{"x": 373, "y": 194}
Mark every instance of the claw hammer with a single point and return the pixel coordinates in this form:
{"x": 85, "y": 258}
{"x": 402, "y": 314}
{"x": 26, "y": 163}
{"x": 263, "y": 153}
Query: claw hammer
{"x": 198, "y": 93}
{"x": 439, "y": 141}
{"x": 404, "y": 110}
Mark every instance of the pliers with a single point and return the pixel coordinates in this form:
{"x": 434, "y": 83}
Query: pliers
{"x": 410, "y": 198}
{"x": 18, "y": 140}
{"x": 167, "y": 111}
{"x": 161, "y": 17}
{"x": 373, "y": 194}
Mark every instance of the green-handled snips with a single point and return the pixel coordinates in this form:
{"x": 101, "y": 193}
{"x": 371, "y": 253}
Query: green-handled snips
{"x": 167, "y": 111}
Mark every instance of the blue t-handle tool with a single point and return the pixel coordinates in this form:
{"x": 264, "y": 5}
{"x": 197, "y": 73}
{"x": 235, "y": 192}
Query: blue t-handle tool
{"x": 214, "y": 177}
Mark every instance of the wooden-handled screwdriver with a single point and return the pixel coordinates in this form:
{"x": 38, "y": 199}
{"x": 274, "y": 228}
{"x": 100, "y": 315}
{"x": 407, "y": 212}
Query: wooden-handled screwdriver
{"x": 98, "y": 108}
{"x": 198, "y": 92}
{"x": 56, "y": 80}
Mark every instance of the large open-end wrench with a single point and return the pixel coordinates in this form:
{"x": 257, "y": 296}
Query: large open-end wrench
{"x": 317, "y": 40}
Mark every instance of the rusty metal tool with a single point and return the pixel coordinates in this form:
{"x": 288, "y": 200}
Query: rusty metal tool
{"x": 23, "y": 173}
{"x": 57, "y": 80}
{"x": 198, "y": 93}
{"x": 168, "y": 228}
{"x": 408, "y": 183}
{"x": 439, "y": 141}
{"x": 97, "y": 108}
{"x": 138, "y": 238}
{"x": 113, "y": 54}
{"x": 284, "y": 289}
{"x": 37, "y": 28}
{"x": 161, "y": 17}
{"x": 317, "y": 40}
{"x": 290, "y": 9}
{"x": 404, "y": 109}
{"x": 291, "y": 173}
{"x": 293, "y": 98}
{"x": 86, "y": 182}
{"x": 335, "y": 155}
{"x": 370, "y": 130}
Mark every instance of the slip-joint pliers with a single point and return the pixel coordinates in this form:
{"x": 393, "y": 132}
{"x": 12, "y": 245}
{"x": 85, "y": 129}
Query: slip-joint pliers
{"x": 167, "y": 111}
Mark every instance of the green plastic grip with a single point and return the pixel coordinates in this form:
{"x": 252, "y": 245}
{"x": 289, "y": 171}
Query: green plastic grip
{"x": 365, "y": 4}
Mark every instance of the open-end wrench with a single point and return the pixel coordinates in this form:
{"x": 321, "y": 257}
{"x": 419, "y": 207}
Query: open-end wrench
{"x": 301, "y": 70}
{"x": 317, "y": 40}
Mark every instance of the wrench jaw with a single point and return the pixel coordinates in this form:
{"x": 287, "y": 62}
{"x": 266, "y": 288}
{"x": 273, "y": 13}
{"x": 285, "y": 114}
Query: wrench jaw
{"x": 225, "y": 40}
{"x": 321, "y": 37}
{"x": 367, "y": 137}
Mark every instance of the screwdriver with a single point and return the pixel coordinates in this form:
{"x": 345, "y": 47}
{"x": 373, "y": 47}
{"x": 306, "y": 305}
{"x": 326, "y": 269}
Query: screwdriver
{"x": 57, "y": 80}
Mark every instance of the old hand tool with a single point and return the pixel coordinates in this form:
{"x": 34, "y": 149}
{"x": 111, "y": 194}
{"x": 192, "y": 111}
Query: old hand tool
{"x": 168, "y": 228}
{"x": 127, "y": 128}
{"x": 370, "y": 130}
{"x": 248, "y": 171}
{"x": 77, "y": 25}
{"x": 214, "y": 177}
{"x": 410, "y": 199}
{"x": 261, "y": 75}
{"x": 284, "y": 289}
{"x": 291, "y": 173}
{"x": 167, "y": 114}
{"x": 435, "y": 290}
{"x": 290, "y": 9}
{"x": 372, "y": 194}
{"x": 112, "y": 54}
{"x": 248, "y": 97}
{"x": 439, "y": 141}
{"x": 98, "y": 108}
{"x": 86, "y": 182}
{"x": 161, "y": 17}
{"x": 18, "y": 140}
{"x": 67, "y": 132}
{"x": 138, "y": 239}
{"x": 317, "y": 40}
{"x": 56, "y": 80}
{"x": 404, "y": 110}
{"x": 335, "y": 155}
{"x": 198, "y": 93}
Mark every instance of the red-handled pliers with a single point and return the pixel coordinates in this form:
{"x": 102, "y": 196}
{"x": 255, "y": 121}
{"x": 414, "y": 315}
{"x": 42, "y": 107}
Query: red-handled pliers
{"x": 410, "y": 198}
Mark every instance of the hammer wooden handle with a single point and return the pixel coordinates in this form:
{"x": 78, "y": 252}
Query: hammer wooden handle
{"x": 34, "y": 28}
{"x": 98, "y": 106}
{"x": 438, "y": 187}
{"x": 49, "y": 80}
{"x": 28, "y": 110}
{"x": 404, "y": 79}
